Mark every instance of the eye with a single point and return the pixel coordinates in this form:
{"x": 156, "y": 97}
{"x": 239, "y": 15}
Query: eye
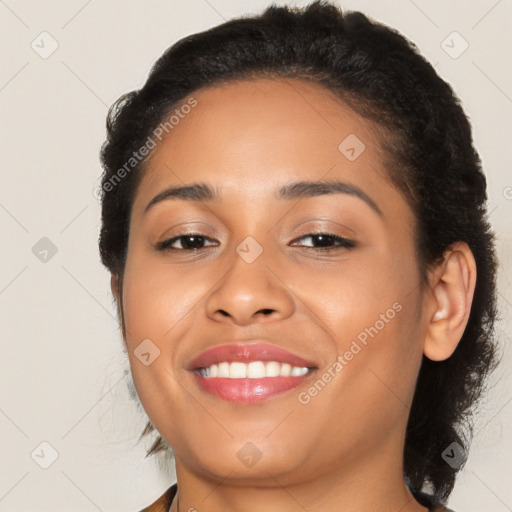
{"x": 328, "y": 242}
{"x": 193, "y": 242}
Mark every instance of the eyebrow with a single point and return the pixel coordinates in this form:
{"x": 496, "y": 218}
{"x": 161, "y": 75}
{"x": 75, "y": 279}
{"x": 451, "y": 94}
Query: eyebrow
{"x": 203, "y": 192}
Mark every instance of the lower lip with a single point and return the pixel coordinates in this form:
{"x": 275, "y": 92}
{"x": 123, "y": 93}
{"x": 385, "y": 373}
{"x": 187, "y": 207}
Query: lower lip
{"x": 249, "y": 391}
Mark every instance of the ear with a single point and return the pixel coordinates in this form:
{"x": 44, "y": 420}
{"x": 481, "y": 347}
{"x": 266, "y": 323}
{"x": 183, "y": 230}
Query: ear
{"x": 452, "y": 286}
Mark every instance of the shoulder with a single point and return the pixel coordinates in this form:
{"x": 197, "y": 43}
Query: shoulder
{"x": 163, "y": 503}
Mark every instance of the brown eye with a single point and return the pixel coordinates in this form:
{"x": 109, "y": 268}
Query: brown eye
{"x": 328, "y": 242}
{"x": 188, "y": 242}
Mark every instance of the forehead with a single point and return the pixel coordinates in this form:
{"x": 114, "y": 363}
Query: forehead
{"x": 248, "y": 138}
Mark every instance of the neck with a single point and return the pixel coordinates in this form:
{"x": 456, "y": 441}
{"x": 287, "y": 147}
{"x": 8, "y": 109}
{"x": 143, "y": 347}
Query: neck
{"x": 364, "y": 484}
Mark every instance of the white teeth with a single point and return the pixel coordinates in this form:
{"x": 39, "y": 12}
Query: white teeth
{"x": 273, "y": 369}
{"x": 237, "y": 370}
{"x": 253, "y": 370}
{"x": 286, "y": 370}
{"x": 223, "y": 370}
{"x": 296, "y": 372}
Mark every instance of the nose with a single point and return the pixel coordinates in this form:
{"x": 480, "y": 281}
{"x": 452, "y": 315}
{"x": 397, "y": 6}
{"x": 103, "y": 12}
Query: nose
{"x": 250, "y": 293}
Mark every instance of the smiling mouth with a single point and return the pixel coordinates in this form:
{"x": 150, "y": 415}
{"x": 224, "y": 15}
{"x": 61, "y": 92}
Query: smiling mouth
{"x": 253, "y": 370}
{"x": 250, "y": 383}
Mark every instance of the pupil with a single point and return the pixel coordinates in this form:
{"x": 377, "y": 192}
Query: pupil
{"x": 323, "y": 239}
{"x": 198, "y": 239}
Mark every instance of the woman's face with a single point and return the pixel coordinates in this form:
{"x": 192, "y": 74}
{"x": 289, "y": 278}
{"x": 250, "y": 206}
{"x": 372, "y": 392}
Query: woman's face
{"x": 262, "y": 274}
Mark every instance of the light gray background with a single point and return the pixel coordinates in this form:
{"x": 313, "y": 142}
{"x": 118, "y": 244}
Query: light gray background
{"x": 61, "y": 365}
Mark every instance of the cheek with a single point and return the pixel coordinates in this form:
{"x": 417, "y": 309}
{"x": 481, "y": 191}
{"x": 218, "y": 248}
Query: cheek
{"x": 372, "y": 378}
{"x": 369, "y": 294}
{"x": 157, "y": 308}
{"x": 374, "y": 314}
{"x": 155, "y": 300}
{"x": 158, "y": 311}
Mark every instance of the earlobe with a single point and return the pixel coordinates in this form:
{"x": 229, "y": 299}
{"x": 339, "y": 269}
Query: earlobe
{"x": 452, "y": 291}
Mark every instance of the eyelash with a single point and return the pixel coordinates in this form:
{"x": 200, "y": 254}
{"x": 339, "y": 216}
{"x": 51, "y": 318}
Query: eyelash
{"x": 343, "y": 243}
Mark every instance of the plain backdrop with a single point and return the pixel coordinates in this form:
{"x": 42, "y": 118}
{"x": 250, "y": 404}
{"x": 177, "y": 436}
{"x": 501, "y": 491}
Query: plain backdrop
{"x": 64, "y": 403}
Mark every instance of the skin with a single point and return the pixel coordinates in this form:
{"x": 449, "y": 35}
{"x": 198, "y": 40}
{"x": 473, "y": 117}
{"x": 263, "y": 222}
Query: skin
{"x": 344, "y": 447}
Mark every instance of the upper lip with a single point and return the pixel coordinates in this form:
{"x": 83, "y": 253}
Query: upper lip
{"x": 247, "y": 352}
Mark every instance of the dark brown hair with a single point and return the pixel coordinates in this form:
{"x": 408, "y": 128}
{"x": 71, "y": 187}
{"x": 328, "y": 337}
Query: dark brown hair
{"x": 430, "y": 158}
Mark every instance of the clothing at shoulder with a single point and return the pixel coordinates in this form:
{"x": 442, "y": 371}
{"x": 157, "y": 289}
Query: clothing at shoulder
{"x": 163, "y": 503}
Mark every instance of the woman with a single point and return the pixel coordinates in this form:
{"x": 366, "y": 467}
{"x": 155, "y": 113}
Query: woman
{"x": 293, "y": 215}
